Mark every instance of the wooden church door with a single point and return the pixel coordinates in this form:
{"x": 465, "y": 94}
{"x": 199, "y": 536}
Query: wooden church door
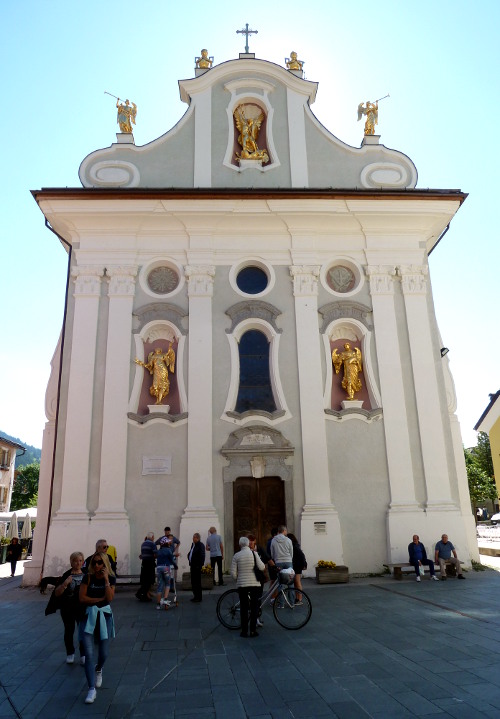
{"x": 258, "y": 505}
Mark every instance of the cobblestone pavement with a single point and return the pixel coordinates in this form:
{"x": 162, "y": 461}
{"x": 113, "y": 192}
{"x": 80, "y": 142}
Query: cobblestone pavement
{"x": 373, "y": 648}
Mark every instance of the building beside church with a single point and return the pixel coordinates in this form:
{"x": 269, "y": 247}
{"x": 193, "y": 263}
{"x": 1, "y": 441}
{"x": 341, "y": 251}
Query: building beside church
{"x": 232, "y": 257}
{"x": 8, "y": 454}
{"x": 489, "y": 422}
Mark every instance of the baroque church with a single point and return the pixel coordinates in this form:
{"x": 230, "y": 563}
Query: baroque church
{"x": 249, "y": 337}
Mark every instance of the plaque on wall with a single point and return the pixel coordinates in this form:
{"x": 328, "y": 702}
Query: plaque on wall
{"x": 156, "y": 465}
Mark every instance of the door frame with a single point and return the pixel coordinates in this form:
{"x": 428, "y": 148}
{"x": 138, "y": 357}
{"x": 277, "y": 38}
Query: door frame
{"x": 256, "y": 451}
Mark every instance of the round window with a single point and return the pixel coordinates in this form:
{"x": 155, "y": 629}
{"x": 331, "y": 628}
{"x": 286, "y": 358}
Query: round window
{"x": 162, "y": 280}
{"x": 252, "y": 280}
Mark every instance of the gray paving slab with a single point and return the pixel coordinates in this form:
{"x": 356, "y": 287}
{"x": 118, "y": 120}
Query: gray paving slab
{"x": 374, "y": 648}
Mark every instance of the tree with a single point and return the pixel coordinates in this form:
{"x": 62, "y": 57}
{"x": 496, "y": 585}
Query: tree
{"x": 482, "y": 454}
{"x": 25, "y": 492}
{"x": 479, "y": 467}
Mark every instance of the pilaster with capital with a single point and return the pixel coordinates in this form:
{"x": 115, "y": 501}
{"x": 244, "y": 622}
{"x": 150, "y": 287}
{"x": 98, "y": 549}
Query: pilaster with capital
{"x": 200, "y": 510}
{"x": 427, "y": 391}
{"x": 87, "y": 293}
{"x": 111, "y": 516}
{"x": 400, "y": 468}
{"x": 121, "y": 291}
{"x": 318, "y": 501}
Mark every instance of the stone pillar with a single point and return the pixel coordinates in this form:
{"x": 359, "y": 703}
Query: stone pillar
{"x": 318, "y": 513}
{"x": 72, "y": 517}
{"x": 111, "y": 519}
{"x": 200, "y": 512}
{"x": 404, "y": 511}
{"x": 80, "y": 394}
{"x": 430, "y": 417}
{"x": 33, "y": 569}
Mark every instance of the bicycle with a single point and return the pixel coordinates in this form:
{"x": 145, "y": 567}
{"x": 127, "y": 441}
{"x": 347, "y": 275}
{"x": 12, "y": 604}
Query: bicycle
{"x": 288, "y": 612}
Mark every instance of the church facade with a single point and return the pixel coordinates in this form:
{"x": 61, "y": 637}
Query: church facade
{"x": 250, "y": 339}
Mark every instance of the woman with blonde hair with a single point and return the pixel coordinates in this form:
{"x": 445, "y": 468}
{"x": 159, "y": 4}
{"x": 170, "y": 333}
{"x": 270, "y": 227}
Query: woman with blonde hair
{"x": 67, "y": 592}
{"x": 96, "y": 594}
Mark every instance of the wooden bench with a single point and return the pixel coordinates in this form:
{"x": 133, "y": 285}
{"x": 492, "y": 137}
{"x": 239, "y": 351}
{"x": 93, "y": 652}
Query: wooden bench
{"x": 397, "y": 569}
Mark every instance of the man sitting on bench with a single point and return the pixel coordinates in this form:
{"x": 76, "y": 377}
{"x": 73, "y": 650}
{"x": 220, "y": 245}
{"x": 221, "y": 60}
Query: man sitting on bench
{"x": 444, "y": 550}
{"x": 418, "y": 557}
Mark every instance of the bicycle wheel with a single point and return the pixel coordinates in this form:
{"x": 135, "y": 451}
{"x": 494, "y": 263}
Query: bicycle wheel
{"x": 292, "y": 615}
{"x": 228, "y": 609}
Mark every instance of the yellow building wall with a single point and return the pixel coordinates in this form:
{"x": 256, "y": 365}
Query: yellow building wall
{"x": 494, "y": 435}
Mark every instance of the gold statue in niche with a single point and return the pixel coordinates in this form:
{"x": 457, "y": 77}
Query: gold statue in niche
{"x": 371, "y": 112}
{"x": 159, "y": 363}
{"x": 126, "y": 115}
{"x": 204, "y": 61}
{"x": 292, "y": 63}
{"x": 351, "y": 360}
{"x": 248, "y": 120}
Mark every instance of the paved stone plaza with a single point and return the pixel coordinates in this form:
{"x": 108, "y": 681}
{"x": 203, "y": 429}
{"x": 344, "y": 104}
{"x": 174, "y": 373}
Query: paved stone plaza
{"x": 373, "y": 648}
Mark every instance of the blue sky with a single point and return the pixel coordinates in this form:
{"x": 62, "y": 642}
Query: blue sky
{"x": 438, "y": 60}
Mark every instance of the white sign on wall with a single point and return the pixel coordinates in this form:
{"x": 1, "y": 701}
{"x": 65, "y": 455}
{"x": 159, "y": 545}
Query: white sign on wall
{"x": 156, "y": 465}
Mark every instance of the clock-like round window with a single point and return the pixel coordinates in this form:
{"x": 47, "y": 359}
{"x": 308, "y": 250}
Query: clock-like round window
{"x": 340, "y": 279}
{"x": 162, "y": 280}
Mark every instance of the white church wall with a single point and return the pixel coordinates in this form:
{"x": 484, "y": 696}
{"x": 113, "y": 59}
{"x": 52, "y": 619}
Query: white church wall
{"x": 155, "y": 501}
{"x": 360, "y": 490}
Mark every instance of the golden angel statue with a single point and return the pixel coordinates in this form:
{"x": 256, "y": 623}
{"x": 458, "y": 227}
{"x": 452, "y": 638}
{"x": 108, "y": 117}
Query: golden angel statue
{"x": 126, "y": 115}
{"x": 371, "y": 113}
{"x": 351, "y": 360}
{"x": 248, "y": 120}
{"x": 159, "y": 363}
{"x": 204, "y": 61}
{"x": 292, "y": 63}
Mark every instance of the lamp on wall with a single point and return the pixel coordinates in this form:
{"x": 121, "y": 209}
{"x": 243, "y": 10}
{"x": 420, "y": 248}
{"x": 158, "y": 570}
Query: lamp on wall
{"x": 444, "y": 351}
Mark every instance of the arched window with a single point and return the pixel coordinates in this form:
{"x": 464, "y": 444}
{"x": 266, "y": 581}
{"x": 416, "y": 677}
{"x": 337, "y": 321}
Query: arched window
{"x": 255, "y": 391}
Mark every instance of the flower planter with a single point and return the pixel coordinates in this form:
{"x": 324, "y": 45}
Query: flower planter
{"x": 335, "y": 575}
{"x": 207, "y": 581}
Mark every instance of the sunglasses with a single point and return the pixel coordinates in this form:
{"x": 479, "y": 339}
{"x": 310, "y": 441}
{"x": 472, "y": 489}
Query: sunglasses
{"x": 97, "y": 562}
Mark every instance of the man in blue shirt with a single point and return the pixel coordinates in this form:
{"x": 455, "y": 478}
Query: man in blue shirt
{"x": 418, "y": 557}
{"x": 444, "y": 550}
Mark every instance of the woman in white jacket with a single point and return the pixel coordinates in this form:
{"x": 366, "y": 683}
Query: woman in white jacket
{"x": 242, "y": 569}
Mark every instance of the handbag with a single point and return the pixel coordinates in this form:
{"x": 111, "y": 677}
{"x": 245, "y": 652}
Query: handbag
{"x": 421, "y": 570}
{"x": 259, "y": 574}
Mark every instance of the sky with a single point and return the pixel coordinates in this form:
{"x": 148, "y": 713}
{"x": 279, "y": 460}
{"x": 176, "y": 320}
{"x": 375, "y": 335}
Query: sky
{"x": 438, "y": 61}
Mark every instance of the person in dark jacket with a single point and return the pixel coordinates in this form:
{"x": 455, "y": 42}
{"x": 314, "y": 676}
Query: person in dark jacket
{"x": 299, "y": 564}
{"x": 196, "y": 557}
{"x": 14, "y": 551}
{"x": 67, "y": 591}
{"x": 418, "y": 557}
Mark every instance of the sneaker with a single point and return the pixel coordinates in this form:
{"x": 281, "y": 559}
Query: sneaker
{"x": 418, "y": 579}
{"x": 461, "y": 576}
{"x": 98, "y": 678}
{"x": 82, "y": 661}
{"x": 259, "y": 623}
{"x": 299, "y": 604}
{"x": 435, "y": 578}
{"x": 70, "y": 659}
{"x": 443, "y": 579}
{"x": 91, "y": 695}
{"x": 158, "y": 606}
